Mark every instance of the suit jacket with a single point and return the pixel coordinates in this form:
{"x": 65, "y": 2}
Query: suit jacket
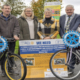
{"x": 73, "y": 24}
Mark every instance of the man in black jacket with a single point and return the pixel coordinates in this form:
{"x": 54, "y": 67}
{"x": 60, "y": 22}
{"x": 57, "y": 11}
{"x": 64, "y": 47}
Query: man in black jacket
{"x": 9, "y": 28}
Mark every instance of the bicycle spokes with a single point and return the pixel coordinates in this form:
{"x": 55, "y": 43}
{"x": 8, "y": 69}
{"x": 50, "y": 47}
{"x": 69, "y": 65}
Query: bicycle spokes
{"x": 14, "y": 68}
{"x": 61, "y": 68}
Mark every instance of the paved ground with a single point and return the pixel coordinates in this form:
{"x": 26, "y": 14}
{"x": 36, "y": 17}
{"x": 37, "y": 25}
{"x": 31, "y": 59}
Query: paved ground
{"x": 5, "y": 78}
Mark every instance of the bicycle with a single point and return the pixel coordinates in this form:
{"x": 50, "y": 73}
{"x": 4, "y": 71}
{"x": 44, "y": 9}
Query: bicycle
{"x": 60, "y": 66}
{"x": 15, "y": 62}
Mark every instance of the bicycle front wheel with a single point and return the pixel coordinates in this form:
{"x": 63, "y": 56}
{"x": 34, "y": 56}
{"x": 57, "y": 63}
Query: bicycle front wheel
{"x": 15, "y": 67}
{"x": 60, "y": 65}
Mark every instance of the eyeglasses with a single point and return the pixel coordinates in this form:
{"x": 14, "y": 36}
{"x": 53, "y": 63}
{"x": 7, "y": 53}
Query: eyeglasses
{"x": 69, "y": 9}
{"x": 47, "y": 12}
{"x": 7, "y": 8}
{"x": 28, "y": 11}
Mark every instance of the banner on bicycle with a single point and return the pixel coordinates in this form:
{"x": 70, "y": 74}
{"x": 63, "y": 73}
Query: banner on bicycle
{"x": 41, "y": 46}
{"x": 37, "y": 54}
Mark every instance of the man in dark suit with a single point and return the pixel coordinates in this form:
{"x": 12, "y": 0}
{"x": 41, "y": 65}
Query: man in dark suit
{"x": 69, "y": 21}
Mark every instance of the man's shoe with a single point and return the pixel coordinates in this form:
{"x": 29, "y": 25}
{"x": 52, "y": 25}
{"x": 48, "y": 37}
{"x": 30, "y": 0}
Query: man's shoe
{"x": 77, "y": 61}
{"x": 3, "y": 74}
{"x": 11, "y": 71}
{"x": 70, "y": 71}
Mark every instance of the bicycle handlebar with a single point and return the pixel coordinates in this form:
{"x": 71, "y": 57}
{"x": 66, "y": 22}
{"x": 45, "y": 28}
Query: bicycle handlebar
{"x": 10, "y": 39}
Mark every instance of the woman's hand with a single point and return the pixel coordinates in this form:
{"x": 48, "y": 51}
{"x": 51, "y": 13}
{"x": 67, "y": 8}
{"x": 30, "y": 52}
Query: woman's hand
{"x": 16, "y": 37}
{"x": 47, "y": 38}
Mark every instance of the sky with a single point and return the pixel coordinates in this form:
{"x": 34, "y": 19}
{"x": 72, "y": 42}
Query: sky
{"x": 75, "y": 3}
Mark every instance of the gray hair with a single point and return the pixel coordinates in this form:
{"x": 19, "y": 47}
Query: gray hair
{"x": 70, "y": 6}
{"x": 5, "y": 5}
{"x": 47, "y": 9}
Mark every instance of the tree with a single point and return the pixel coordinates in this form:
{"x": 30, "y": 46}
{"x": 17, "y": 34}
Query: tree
{"x": 16, "y": 5}
{"x": 38, "y": 7}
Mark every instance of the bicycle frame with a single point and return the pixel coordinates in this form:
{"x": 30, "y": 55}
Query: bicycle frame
{"x": 7, "y": 55}
{"x": 77, "y": 52}
{"x": 69, "y": 59}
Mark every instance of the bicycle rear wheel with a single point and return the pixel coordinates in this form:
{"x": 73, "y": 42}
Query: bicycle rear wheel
{"x": 60, "y": 68}
{"x": 17, "y": 65}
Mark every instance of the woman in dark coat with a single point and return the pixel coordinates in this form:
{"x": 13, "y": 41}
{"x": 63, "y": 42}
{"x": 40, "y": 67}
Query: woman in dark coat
{"x": 28, "y": 25}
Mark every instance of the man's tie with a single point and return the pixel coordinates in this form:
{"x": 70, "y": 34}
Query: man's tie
{"x": 67, "y": 26}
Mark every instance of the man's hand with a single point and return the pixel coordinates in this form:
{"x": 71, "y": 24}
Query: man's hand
{"x": 16, "y": 37}
{"x": 47, "y": 38}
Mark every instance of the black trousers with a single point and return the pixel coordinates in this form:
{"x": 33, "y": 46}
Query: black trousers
{"x": 11, "y": 48}
{"x": 73, "y": 59}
